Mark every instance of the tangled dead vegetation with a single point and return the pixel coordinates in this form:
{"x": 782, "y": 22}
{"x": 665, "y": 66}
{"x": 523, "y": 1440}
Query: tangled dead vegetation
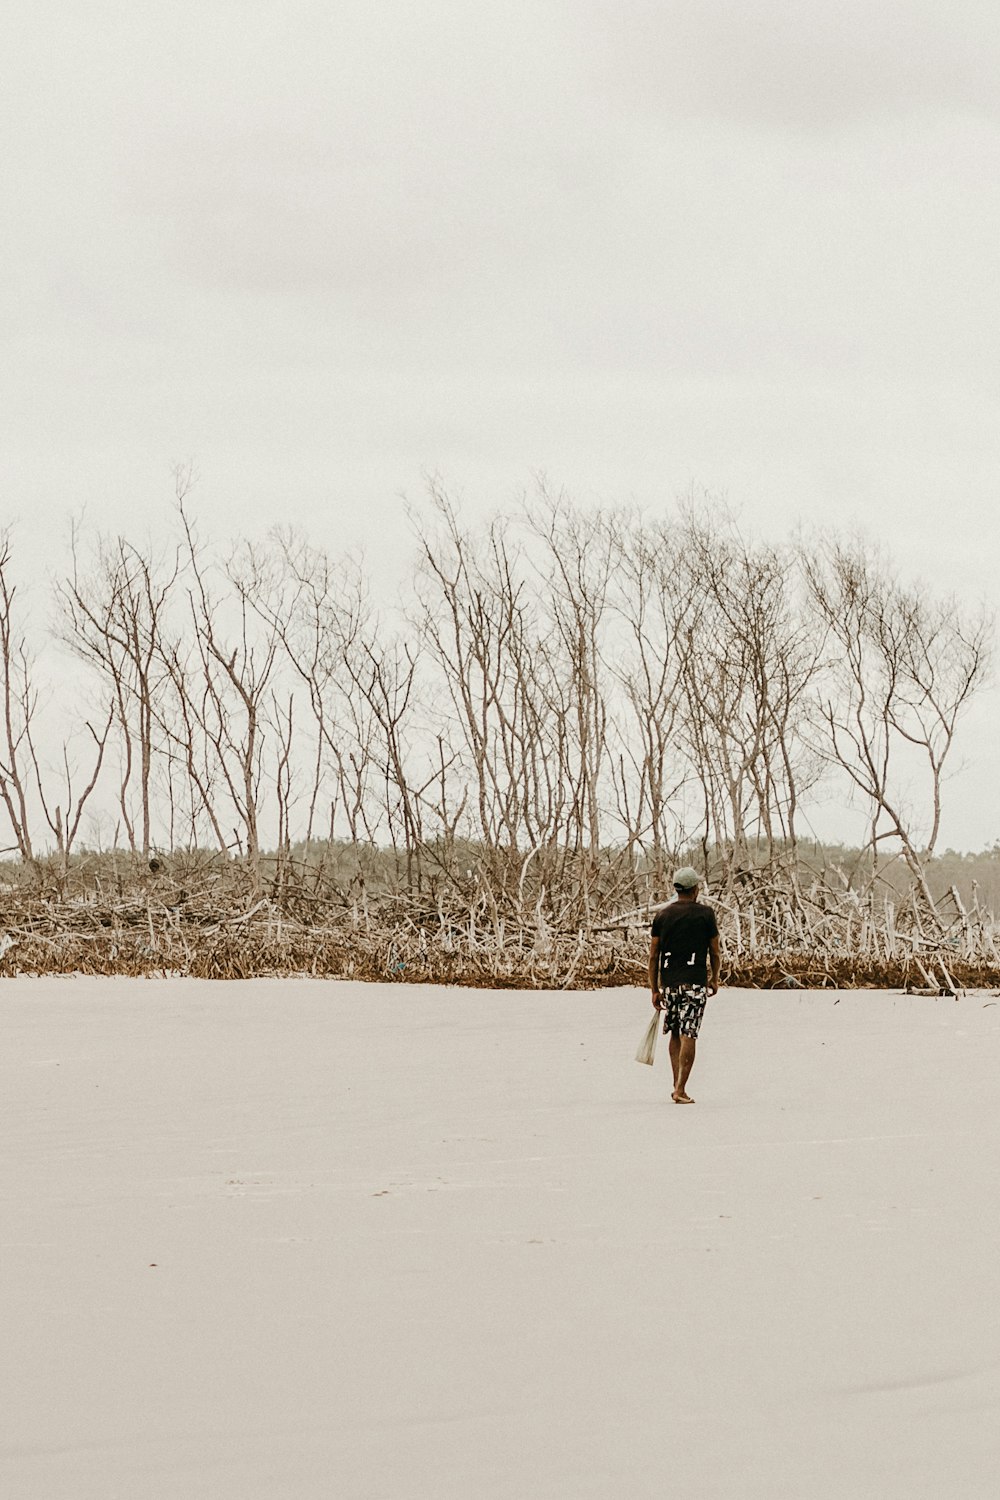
{"x": 209, "y": 923}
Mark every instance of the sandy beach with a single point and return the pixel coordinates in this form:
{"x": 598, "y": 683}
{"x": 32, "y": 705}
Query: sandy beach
{"x": 298, "y": 1240}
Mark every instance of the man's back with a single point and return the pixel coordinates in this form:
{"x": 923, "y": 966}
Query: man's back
{"x": 685, "y": 930}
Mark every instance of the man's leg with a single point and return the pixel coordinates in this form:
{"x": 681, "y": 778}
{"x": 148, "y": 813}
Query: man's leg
{"x": 675, "y": 1054}
{"x": 682, "y": 1066}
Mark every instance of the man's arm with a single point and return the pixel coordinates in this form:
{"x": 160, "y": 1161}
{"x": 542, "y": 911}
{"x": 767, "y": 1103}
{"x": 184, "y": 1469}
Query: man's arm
{"x": 715, "y": 955}
{"x": 654, "y": 970}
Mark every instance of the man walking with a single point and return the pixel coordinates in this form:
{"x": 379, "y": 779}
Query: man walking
{"x": 685, "y": 938}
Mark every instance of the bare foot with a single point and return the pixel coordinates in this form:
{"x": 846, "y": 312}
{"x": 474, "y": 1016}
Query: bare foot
{"x": 680, "y": 1096}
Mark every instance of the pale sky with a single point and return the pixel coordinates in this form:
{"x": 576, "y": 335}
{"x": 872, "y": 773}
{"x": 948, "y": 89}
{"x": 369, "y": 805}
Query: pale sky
{"x": 323, "y": 249}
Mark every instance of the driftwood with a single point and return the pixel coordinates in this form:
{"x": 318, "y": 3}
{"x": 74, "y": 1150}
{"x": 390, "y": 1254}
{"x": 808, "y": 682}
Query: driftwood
{"x": 211, "y": 922}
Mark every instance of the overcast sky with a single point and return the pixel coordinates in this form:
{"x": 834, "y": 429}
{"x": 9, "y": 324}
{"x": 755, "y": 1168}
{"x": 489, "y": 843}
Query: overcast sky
{"x": 321, "y": 249}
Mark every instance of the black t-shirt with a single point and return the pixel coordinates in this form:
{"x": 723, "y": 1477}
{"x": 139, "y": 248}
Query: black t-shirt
{"x": 685, "y": 930}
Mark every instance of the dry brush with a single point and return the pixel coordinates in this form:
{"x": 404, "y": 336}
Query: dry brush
{"x": 489, "y": 780}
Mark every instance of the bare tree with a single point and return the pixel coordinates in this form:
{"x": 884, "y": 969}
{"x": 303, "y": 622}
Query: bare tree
{"x": 319, "y": 619}
{"x": 900, "y": 669}
{"x": 750, "y": 660}
{"x": 63, "y": 814}
{"x": 191, "y": 769}
{"x": 223, "y": 701}
{"x": 24, "y": 773}
{"x": 656, "y": 604}
{"x": 112, "y": 617}
{"x": 483, "y": 633}
{"x": 575, "y": 565}
{"x": 383, "y": 676}
{"x": 19, "y": 704}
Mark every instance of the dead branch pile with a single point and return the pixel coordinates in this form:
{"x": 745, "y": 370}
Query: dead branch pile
{"x": 150, "y": 939}
{"x": 207, "y": 921}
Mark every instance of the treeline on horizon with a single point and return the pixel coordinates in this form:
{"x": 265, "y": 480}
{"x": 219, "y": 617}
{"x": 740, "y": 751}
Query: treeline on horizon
{"x": 581, "y": 695}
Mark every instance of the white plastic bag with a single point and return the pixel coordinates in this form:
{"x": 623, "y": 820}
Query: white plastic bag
{"x": 647, "y": 1047}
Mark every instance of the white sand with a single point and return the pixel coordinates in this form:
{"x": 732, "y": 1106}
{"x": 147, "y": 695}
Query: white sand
{"x": 318, "y": 1241}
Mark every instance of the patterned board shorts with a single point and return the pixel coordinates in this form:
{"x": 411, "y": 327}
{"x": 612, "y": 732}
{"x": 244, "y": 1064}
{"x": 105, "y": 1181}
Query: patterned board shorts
{"x": 683, "y": 1009}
